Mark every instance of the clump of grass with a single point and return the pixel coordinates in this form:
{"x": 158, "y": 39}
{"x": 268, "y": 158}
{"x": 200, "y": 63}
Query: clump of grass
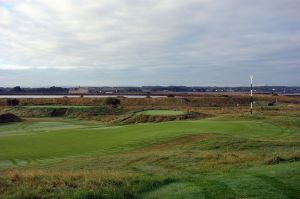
{"x": 162, "y": 112}
{"x": 75, "y": 184}
{"x": 278, "y": 159}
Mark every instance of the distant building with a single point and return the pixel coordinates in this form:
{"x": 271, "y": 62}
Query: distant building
{"x": 79, "y": 90}
{"x": 110, "y": 90}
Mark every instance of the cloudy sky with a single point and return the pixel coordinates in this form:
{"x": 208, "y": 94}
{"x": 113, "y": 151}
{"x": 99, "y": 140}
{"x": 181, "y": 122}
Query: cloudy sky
{"x": 149, "y": 42}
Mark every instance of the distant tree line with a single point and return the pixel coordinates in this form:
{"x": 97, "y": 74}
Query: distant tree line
{"x": 151, "y": 89}
{"x": 49, "y": 90}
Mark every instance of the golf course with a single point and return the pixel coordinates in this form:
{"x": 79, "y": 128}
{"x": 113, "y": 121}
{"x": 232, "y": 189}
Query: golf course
{"x": 230, "y": 154}
{"x": 149, "y": 99}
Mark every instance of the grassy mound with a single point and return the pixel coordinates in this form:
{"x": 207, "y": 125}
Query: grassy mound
{"x": 162, "y": 112}
{"x": 65, "y": 111}
{"x": 162, "y": 116}
{"x": 9, "y": 117}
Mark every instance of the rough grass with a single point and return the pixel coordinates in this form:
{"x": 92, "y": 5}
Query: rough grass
{"x": 86, "y": 112}
{"x": 162, "y": 112}
{"x": 78, "y": 184}
{"x": 56, "y": 106}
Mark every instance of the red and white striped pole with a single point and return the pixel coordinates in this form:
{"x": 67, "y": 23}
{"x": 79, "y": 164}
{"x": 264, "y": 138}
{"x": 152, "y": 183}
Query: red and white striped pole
{"x": 251, "y": 93}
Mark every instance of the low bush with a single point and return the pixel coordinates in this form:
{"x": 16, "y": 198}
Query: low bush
{"x": 12, "y": 102}
{"x": 9, "y": 117}
{"x": 112, "y": 101}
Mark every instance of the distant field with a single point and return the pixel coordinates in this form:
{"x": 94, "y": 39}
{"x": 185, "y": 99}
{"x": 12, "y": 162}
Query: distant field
{"x": 162, "y": 112}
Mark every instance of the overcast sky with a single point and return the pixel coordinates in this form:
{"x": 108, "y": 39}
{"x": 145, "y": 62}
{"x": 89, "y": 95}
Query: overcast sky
{"x": 149, "y": 42}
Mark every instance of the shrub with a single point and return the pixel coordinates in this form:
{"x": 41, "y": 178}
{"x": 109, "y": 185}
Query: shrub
{"x": 148, "y": 95}
{"x": 271, "y": 103}
{"x": 58, "y": 112}
{"x": 12, "y": 102}
{"x": 112, "y": 101}
{"x": 186, "y": 100}
{"x": 9, "y": 117}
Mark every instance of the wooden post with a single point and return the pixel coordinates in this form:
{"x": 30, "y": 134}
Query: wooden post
{"x": 251, "y": 93}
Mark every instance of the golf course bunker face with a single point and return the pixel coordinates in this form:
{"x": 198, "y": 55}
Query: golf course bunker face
{"x": 161, "y": 116}
{"x": 162, "y": 112}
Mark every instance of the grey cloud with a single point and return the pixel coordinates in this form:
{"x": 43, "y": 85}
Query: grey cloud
{"x": 149, "y": 42}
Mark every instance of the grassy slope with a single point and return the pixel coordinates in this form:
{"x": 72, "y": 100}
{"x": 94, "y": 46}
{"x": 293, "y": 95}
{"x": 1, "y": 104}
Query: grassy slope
{"x": 162, "y": 112}
{"x": 63, "y": 142}
{"x": 279, "y": 181}
{"x": 185, "y": 159}
{"x": 31, "y": 127}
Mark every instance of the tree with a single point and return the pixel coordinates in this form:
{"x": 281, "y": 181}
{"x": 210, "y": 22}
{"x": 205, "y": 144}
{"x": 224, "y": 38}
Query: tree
{"x": 17, "y": 89}
{"x": 148, "y": 95}
{"x": 170, "y": 95}
{"x": 12, "y": 102}
{"x": 112, "y": 101}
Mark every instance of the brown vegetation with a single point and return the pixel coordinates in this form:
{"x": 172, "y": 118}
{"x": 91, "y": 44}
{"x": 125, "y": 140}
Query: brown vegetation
{"x": 200, "y": 101}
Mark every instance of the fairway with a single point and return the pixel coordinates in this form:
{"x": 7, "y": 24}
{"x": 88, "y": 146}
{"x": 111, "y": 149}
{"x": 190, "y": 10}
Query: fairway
{"x": 63, "y": 139}
{"x": 162, "y": 112}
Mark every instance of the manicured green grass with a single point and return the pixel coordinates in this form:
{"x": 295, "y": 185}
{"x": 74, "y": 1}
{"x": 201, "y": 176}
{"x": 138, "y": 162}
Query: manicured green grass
{"x": 162, "y": 112}
{"x": 79, "y": 141}
{"x": 30, "y": 127}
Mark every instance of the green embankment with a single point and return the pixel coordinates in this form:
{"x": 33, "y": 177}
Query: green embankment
{"x": 162, "y": 112}
{"x": 39, "y": 111}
